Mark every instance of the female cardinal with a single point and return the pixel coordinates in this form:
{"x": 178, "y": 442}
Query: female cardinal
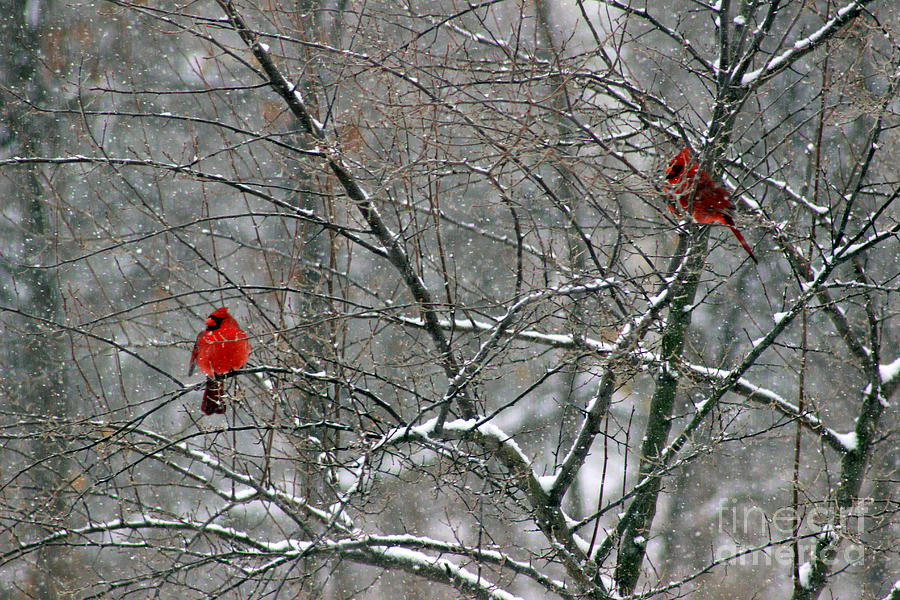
{"x": 220, "y": 348}
{"x": 711, "y": 203}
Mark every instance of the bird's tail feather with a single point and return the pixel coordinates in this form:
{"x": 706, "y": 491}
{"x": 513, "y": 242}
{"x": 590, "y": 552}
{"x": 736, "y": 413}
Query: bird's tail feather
{"x": 213, "y": 403}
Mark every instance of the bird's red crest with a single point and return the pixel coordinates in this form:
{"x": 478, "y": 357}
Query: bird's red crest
{"x": 681, "y": 158}
{"x": 220, "y": 312}
{"x": 217, "y": 317}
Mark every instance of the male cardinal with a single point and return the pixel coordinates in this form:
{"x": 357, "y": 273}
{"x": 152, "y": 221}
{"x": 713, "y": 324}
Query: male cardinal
{"x": 220, "y": 348}
{"x": 711, "y": 203}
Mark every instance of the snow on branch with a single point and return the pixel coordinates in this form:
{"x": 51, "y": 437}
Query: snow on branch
{"x": 555, "y": 340}
{"x": 644, "y": 357}
{"x": 894, "y": 594}
{"x": 547, "y": 513}
{"x": 853, "y": 247}
{"x": 629, "y": 337}
{"x": 803, "y": 46}
{"x": 401, "y": 551}
{"x": 489, "y": 435}
{"x": 439, "y": 569}
{"x": 505, "y": 322}
{"x": 494, "y": 557}
{"x": 112, "y": 528}
{"x": 890, "y": 372}
{"x": 837, "y": 441}
{"x": 253, "y": 489}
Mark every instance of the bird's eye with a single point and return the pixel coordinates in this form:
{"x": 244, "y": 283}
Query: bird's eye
{"x": 673, "y": 172}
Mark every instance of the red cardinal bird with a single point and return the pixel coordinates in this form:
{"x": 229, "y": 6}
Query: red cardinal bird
{"x": 711, "y": 203}
{"x": 220, "y": 348}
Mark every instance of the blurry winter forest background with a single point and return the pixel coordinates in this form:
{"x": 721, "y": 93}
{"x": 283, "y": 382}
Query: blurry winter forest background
{"x": 487, "y": 361}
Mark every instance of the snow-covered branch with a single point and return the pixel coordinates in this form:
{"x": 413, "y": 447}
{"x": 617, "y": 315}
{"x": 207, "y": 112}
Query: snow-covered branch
{"x": 403, "y": 551}
{"x": 648, "y": 359}
{"x": 629, "y": 337}
{"x": 548, "y": 515}
{"x": 805, "y": 45}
